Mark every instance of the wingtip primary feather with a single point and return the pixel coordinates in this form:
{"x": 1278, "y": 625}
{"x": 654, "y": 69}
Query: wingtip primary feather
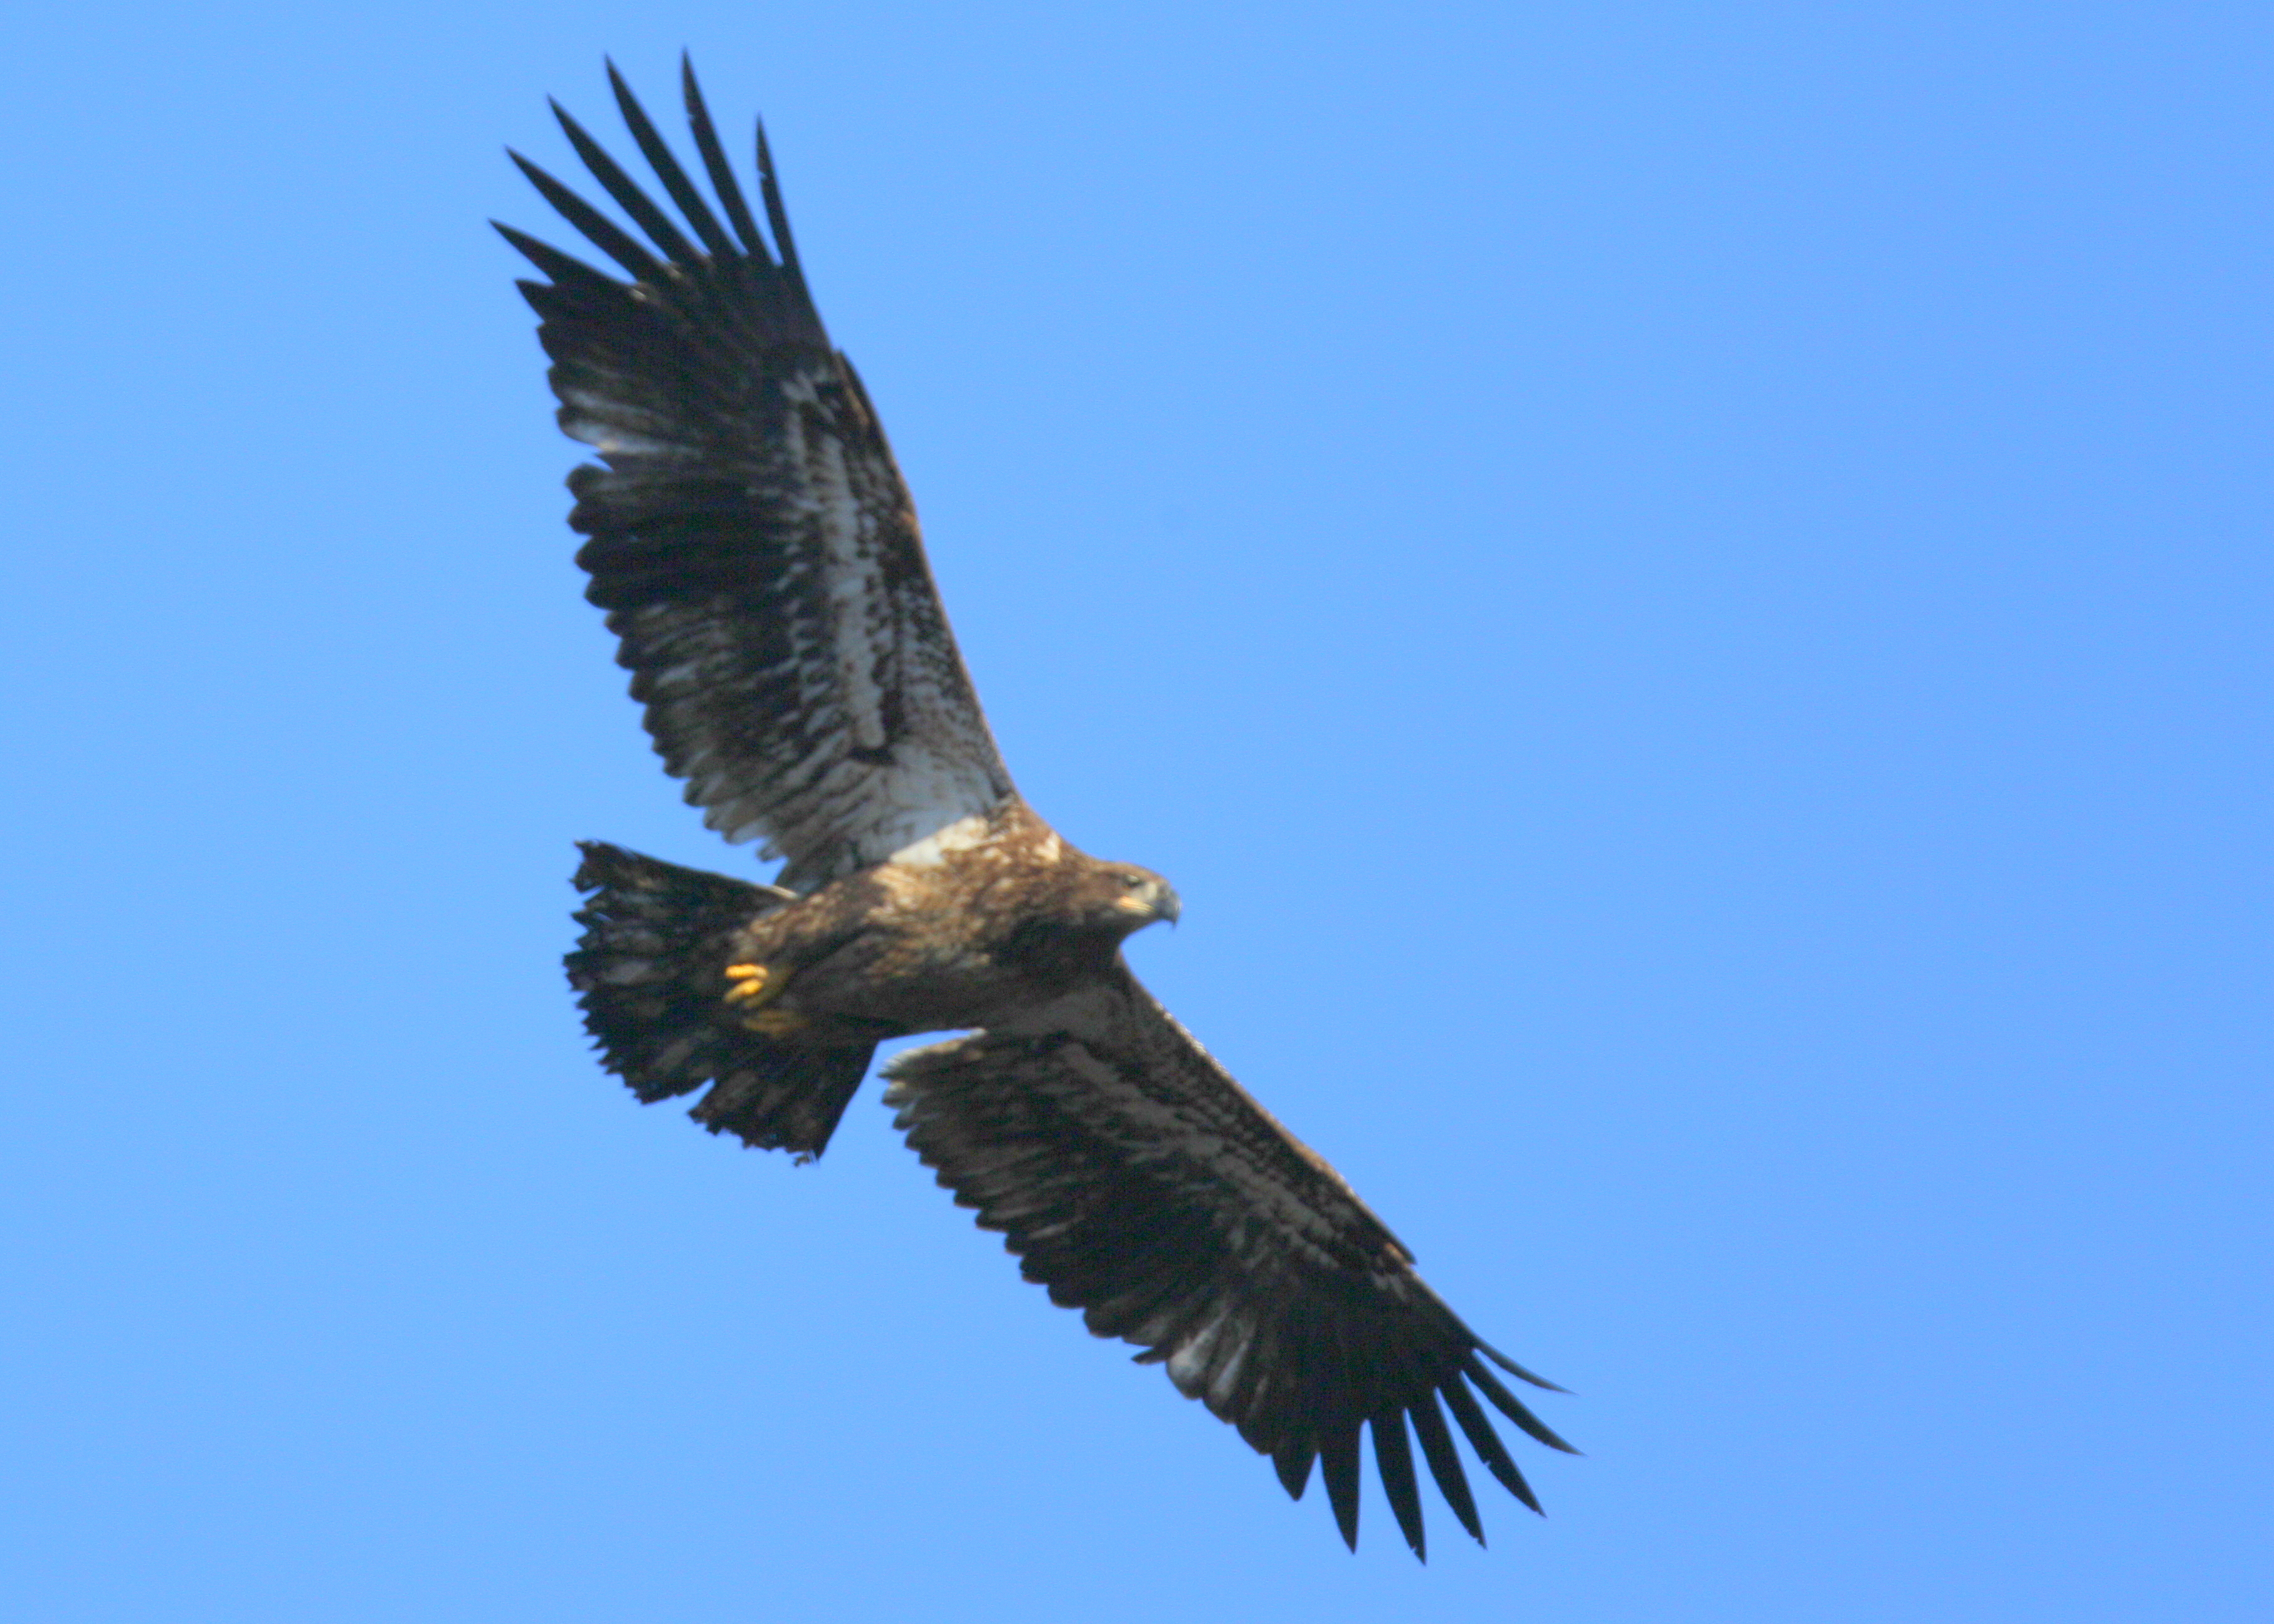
{"x": 669, "y": 171}
{"x": 1338, "y": 1465}
{"x": 1517, "y": 1371}
{"x": 560, "y": 266}
{"x": 1393, "y": 1458}
{"x": 621, "y": 186}
{"x": 1445, "y": 1463}
{"x": 1510, "y": 1405}
{"x": 604, "y": 234}
{"x": 778, "y": 216}
{"x": 1293, "y": 1463}
{"x": 714, "y": 161}
{"x": 1487, "y": 1442}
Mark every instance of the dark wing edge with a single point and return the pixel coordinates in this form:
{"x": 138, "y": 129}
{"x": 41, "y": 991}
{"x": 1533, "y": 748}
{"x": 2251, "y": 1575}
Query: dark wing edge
{"x": 1138, "y": 1181}
{"x": 750, "y": 536}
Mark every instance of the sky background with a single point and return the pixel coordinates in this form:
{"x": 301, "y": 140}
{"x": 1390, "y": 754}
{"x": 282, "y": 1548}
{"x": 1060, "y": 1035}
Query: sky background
{"x": 1683, "y": 589}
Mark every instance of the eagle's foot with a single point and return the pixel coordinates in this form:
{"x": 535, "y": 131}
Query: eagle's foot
{"x": 752, "y": 997}
{"x": 753, "y": 984}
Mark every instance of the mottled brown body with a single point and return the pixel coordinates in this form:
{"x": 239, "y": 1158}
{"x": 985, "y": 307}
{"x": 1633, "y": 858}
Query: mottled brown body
{"x": 994, "y": 916}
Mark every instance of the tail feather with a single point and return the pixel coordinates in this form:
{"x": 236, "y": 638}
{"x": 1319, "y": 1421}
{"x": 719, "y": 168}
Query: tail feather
{"x": 649, "y": 973}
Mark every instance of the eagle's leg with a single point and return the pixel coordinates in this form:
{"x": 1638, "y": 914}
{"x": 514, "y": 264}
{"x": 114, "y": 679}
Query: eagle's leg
{"x": 774, "y": 1023}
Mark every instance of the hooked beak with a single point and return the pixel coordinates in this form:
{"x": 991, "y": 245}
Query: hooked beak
{"x": 1157, "y": 901}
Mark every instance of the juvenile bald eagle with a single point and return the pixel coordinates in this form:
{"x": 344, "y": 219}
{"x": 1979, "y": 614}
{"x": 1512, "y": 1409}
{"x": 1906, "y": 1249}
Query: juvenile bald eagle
{"x": 759, "y": 558}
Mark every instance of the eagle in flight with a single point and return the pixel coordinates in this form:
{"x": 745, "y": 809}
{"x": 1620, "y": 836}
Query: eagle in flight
{"x": 757, "y": 555}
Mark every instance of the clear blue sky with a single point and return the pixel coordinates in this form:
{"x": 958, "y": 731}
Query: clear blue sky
{"x": 1683, "y": 589}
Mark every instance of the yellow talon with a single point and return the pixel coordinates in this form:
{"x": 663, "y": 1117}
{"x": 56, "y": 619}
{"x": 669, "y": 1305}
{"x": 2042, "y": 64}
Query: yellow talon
{"x": 750, "y": 981}
{"x": 755, "y": 987}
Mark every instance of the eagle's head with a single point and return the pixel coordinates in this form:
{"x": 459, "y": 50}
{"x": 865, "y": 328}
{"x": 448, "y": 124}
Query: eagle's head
{"x": 1069, "y": 919}
{"x": 1129, "y": 898}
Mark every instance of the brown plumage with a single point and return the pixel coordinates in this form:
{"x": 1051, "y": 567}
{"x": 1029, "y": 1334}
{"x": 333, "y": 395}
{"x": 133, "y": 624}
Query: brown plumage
{"x": 758, "y": 556}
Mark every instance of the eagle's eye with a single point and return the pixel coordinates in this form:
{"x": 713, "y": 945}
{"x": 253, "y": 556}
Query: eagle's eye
{"x": 1132, "y": 881}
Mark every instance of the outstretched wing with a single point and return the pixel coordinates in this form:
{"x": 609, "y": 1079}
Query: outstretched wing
{"x": 751, "y": 537}
{"x": 1141, "y": 1184}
